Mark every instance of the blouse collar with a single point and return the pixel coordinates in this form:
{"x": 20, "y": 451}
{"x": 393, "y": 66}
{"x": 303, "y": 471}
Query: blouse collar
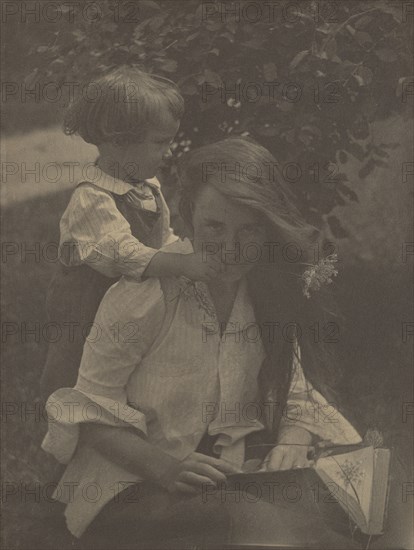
{"x": 118, "y": 186}
{"x": 242, "y": 311}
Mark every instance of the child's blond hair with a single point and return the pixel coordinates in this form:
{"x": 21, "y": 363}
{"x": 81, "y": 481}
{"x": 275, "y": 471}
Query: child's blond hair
{"x": 121, "y": 106}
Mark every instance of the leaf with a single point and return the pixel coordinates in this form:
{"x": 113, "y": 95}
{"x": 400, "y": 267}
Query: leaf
{"x": 56, "y": 62}
{"x": 394, "y": 9}
{"x": 79, "y": 35}
{"x": 347, "y": 192}
{"x": 109, "y": 26}
{"x": 255, "y": 43}
{"x": 285, "y": 106}
{"x": 169, "y": 65}
{"x": 367, "y": 169}
{"x": 363, "y": 75}
{"x": 363, "y": 38}
{"x": 31, "y": 78}
{"x": 330, "y": 48}
{"x": 356, "y": 150}
{"x": 381, "y": 153}
{"x": 289, "y": 135}
{"x": 156, "y": 22}
{"x": 213, "y": 25}
{"x": 149, "y": 4}
{"x": 192, "y": 36}
{"x": 214, "y": 51}
{"x": 337, "y": 230}
{"x": 343, "y": 157}
{"x": 212, "y": 78}
{"x": 387, "y": 55}
{"x": 267, "y": 130}
{"x": 227, "y": 35}
{"x": 189, "y": 88}
{"x": 308, "y": 135}
{"x": 136, "y": 50}
{"x": 379, "y": 162}
{"x": 232, "y": 27}
{"x": 390, "y": 145}
{"x": 362, "y": 21}
{"x": 269, "y": 72}
{"x": 298, "y": 58}
{"x": 325, "y": 28}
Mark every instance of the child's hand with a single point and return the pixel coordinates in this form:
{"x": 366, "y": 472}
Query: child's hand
{"x": 196, "y": 471}
{"x": 199, "y": 268}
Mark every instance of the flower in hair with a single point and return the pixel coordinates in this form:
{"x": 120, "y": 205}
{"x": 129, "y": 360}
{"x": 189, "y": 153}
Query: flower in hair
{"x": 319, "y": 274}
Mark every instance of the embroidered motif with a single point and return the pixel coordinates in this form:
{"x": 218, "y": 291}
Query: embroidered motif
{"x": 197, "y": 290}
{"x": 351, "y": 473}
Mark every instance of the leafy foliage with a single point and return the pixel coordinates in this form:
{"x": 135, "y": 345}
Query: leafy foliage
{"x": 305, "y": 79}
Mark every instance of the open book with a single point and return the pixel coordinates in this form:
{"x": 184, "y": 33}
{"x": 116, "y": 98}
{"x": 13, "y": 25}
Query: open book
{"x": 357, "y": 479}
{"x": 360, "y": 484}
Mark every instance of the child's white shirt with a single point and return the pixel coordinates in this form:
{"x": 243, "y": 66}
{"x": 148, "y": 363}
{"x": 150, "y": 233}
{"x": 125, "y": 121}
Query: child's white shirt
{"x": 94, "y": 232}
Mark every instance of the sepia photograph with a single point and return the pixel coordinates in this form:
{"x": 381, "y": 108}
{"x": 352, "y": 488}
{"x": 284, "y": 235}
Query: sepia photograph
{"x": 207, "y": 250}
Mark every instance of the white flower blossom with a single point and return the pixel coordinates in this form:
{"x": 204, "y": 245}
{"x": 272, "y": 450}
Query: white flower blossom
{"x": 319, "y": 274}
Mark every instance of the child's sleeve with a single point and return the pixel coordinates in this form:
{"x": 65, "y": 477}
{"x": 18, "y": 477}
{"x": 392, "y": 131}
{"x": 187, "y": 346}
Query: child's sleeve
{"x": 101, "y": 236}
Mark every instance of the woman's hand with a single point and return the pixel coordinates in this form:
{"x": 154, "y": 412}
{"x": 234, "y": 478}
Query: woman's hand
{"x": 287, "y": 457}
{"x": 292, "y": 450}
{"x": 196, "y": 471}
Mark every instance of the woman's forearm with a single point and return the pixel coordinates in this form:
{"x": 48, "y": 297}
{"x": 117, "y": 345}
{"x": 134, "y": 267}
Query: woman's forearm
{"x": 294, "y": 435}
{"x": 129, "y": 450}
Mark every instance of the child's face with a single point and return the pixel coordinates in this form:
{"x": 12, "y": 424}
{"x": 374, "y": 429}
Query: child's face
{"x": 146, "y": 157}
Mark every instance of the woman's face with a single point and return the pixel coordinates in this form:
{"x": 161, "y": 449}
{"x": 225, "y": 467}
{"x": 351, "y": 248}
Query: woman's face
{"x": 233, "y": 233}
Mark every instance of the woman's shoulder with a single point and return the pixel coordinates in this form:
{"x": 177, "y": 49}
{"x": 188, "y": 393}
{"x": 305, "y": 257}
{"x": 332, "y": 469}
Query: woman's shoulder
{"x": 132, "y": 299}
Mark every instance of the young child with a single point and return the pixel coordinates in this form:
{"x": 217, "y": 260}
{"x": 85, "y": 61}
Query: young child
{"x": 115, "y": 223}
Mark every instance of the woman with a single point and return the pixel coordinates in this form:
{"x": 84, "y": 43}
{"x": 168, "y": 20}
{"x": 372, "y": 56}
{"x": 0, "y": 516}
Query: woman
{"x": 180, "y": 381}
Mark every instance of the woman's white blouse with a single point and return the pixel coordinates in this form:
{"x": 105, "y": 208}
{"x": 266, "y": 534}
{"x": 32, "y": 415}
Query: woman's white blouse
{"x": 155, "y": 361}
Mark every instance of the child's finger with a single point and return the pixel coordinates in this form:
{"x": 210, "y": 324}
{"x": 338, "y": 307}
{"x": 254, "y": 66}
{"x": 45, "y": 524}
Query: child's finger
{"x": 208, "y": 470}
{"x": 195, "y": 479}
{"x": 221, "y": 464}
{"x": 184, "y": 487}
{"x": 212, "y": 272}
{"x": 215, "y": 262}
{"x": 275, "y": 459}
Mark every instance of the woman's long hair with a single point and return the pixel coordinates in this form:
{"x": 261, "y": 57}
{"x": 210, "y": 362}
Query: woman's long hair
{"x": 248, "y": 174}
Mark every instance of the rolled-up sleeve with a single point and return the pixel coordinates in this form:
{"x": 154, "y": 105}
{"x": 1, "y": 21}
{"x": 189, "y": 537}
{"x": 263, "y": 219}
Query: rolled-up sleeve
{"x": 307, "y": 408}
{"x": 127, "y": 323}
{"x": 101, "y": 237}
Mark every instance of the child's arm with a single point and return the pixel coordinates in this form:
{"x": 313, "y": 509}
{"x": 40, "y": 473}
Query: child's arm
{"x": 102, "y": 236}
{"x": 194, "y": 266}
